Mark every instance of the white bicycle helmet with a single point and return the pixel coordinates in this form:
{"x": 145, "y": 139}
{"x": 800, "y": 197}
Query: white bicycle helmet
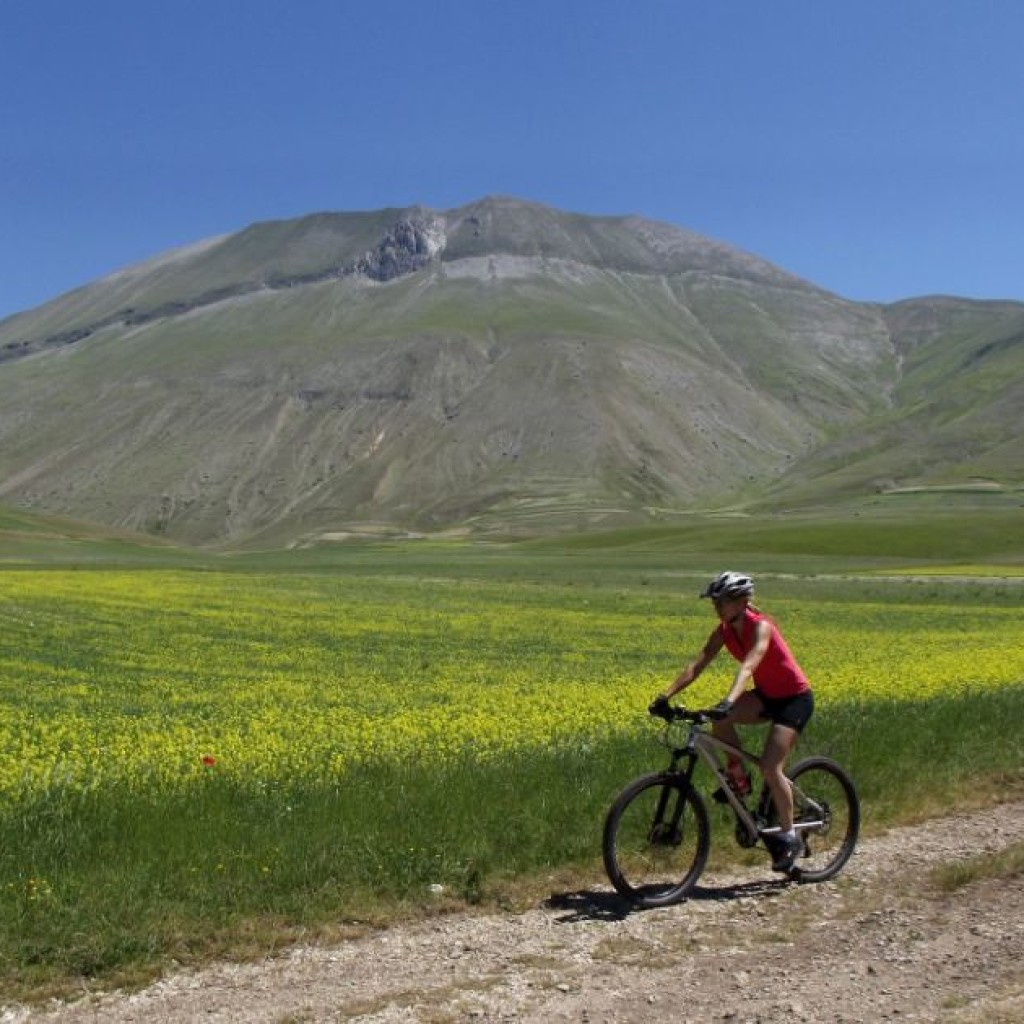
{"x": 728, "y": 586}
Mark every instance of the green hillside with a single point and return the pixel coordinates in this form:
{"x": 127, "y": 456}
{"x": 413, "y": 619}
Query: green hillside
{"x": 954, "y": 415}
{"x": 499, "y": 368}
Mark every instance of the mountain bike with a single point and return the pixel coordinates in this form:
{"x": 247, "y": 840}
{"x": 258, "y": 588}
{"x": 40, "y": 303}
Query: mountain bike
{"x": 657, "y": 834}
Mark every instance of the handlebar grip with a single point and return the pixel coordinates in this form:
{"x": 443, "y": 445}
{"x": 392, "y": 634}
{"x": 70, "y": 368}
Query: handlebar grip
{"x": 667, "y": 713}
{"x": 660, "y": 708}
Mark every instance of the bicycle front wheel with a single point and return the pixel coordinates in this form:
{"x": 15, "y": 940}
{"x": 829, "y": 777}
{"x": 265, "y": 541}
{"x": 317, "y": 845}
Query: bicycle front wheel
{"x": 826, "y": 812}
{"x": 656, "y": 840}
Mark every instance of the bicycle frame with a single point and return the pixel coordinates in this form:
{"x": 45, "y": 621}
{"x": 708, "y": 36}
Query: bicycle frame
{"x": 703, "y": 746}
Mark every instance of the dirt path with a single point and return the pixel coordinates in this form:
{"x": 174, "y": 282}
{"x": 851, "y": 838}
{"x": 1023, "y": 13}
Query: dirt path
{"x": 880, "y": 943}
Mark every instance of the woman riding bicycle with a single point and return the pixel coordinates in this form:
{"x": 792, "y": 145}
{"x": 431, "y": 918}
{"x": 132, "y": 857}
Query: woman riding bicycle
{"x": 781, "y": 695}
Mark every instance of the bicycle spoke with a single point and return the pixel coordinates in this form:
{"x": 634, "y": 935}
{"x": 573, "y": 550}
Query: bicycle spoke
{"x": 656, "y": 842}
{"x": 826, "y": 815}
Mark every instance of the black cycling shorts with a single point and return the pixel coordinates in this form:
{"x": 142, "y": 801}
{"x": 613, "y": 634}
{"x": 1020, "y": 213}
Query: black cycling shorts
{"x": 794, "y": 712}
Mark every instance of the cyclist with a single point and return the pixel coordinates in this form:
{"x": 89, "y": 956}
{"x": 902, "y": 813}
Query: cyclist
{"x": 780, "y": 695}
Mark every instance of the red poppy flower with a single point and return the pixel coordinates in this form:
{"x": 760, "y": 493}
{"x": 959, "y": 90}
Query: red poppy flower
{"x": 209, "y": 761}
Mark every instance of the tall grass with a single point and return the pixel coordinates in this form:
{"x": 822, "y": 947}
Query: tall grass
{"x": 313, "y": 818}
{"x": 107, "y": 883}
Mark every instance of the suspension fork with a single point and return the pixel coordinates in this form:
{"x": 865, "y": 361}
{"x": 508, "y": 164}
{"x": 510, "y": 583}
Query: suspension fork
{"x": 669, "y": 829}
{"x": 684, "y": 763}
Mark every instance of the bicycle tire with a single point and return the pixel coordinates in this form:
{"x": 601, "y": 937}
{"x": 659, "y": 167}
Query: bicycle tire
{"x": 656, "y": 840}
{"x": 824, "y": 794}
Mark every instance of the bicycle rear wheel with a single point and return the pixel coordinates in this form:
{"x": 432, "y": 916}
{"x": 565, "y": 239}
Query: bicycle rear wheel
{"x": 656, "y": 840}
{"x": 826, "y": 812}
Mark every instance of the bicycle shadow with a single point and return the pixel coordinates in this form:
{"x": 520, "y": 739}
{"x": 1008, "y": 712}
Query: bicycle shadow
{"x": 607, "y": 905}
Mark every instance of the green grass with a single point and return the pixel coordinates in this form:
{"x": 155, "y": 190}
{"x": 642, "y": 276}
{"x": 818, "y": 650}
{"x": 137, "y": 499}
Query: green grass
{"x": 111, "y": 886}
{"x": 32, "y": 539}
{"x": 1006, "y": 865}
{"x": 112, "y": 878}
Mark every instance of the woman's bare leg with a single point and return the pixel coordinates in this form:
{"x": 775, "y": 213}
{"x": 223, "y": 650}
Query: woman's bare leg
{"x": 748, "y": 710}
{"x": 777, "y": 748}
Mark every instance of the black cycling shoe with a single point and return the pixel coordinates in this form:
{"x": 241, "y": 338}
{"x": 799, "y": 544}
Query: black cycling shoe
{"x": 785, "y": 850}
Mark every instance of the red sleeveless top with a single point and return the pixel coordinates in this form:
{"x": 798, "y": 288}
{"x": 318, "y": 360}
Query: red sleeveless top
{"x": 778, "y": 675}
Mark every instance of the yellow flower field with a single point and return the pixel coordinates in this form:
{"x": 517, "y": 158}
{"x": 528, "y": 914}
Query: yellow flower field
{"x": 145, "y": 679}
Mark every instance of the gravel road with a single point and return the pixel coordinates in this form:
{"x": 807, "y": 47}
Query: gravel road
{"x": 882, "y": 942}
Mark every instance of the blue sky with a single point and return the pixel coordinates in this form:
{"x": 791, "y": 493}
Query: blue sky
{"x": 875, "y": 148}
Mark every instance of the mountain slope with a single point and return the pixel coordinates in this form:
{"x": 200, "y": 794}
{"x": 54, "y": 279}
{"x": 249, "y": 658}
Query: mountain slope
{"x": 502, "y": 363}
{"x": 955, "y": 412}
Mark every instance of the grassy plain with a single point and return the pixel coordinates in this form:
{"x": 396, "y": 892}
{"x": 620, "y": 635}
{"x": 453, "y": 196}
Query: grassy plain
{"x": 207, "y": 755}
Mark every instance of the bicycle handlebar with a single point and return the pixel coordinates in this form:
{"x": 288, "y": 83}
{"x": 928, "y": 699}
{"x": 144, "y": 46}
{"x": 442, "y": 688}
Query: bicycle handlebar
{"x": 680, "y": 714}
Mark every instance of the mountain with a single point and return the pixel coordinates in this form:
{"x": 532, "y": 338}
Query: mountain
{"x": 953, "y": 417}
{"x": 498, "y": 366}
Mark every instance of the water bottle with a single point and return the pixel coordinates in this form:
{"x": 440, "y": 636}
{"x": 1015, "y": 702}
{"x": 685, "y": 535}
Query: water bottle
{"x": 739, "y": 781}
